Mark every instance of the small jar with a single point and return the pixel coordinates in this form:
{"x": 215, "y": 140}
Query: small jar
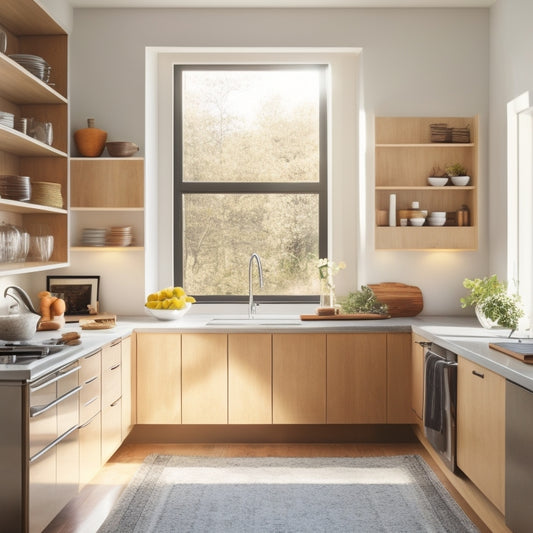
{"x": 463, "y": 216}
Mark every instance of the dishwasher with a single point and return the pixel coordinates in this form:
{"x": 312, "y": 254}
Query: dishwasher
{"x": 518, "y": 457}
{"x": 440, "y": 401}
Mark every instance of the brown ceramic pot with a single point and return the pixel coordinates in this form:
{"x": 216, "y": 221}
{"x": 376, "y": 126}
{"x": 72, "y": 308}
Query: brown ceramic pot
{"x": 90, "y": 141}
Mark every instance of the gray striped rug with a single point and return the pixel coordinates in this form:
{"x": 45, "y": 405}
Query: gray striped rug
{"x": 273, "y": 494}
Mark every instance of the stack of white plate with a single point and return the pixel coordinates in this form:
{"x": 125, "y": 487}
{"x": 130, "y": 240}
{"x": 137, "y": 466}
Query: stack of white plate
{"x": 119, "y": 236}
{"x": 34, "y": 64}
{"x": 93, "y": 237}
{"x": 7, "y": 119}
{"x": 47, "y": 193}
{"x": 15, "y": 188}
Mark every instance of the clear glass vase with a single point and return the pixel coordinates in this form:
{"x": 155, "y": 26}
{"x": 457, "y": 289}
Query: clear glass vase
{"x": 327, "y": 293}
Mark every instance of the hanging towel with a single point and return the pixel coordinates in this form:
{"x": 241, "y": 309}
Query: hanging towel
{"x": 434, "y": 401}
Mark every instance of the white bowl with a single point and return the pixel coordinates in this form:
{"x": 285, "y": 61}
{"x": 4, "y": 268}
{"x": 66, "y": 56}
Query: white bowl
{"x": 417, "y": 221}
{"x": 437, "y": 181}
{"x": 436, "y": 221}
{"x": 438, "y": 214}
{"x": 169, "y": 314}
{"x": 461, "y": 181}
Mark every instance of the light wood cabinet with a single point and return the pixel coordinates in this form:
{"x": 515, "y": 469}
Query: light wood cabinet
{"x": 106, "y": 192}
{"x": 128, "y": 378}
{"x": 111, "y": 399}
{"x": 250, "y": 378}
{"x": 405, "y": 157}
{"x": 399, "y": 379}
{"x": 158, "y": 378}
{"x": 299, "y": 378}
{"x": 90, "y": 448}
{"x": 417, "y": 378}
{"x": 204, "y": 378}
{"x": 356, "y": 378}
{"x": 481, "y": 429}
{"x": 32, "y": 31}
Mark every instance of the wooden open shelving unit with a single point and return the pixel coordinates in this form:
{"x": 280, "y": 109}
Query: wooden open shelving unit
{"x": 405, "y": 157}
{"x": 105, "y": 191}
{"x": 31, "y": 30}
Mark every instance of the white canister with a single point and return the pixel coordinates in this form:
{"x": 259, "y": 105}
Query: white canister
{"x": 392, "y": 210}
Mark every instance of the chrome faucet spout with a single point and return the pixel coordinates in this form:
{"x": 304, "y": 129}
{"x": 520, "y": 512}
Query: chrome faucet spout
{"x": 251, "y": 305}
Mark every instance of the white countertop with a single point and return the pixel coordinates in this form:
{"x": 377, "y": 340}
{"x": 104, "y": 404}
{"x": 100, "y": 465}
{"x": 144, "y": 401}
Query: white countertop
{"x": 461, "y": 335}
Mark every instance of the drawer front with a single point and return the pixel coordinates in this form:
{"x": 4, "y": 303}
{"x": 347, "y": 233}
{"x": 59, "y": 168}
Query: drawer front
{"x": 111, "y": 429}
{"x": 68, "y": 409}
{"x": 90, "y": 399}
{"x": 90, "y": 449}
{"x": 111, "y": 355}
{"x": 90, "y": 367}
{"x": 43, "y": 428}
{"x": 111, "y": 384}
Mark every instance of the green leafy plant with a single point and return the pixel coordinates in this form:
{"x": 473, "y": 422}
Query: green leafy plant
{"x": 455, "y": 170}
{"x": 491, "y": 297}
{"x": 363, "y": 301}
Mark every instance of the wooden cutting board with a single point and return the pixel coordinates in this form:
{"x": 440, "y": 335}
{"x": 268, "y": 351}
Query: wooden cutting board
{"x": 518, "y": 350}
{"x": 401, "y": 299}
{"x": 357, "y": 316}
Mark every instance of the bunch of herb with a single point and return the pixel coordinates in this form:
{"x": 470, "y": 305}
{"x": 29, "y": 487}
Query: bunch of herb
{"x": 363, "y": 301}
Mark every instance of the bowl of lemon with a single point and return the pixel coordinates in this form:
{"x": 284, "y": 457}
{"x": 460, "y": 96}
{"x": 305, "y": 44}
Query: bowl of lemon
{"x": 171, "y": 303}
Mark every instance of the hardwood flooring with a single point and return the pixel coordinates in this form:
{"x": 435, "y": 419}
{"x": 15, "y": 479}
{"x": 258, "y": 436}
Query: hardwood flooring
{"x": 86, "y": 512}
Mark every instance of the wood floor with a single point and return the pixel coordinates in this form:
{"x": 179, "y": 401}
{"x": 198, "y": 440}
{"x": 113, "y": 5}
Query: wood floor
{"x": 86, "y": 512}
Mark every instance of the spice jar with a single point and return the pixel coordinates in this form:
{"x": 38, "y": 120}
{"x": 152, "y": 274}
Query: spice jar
{"x": 463, "y": 216}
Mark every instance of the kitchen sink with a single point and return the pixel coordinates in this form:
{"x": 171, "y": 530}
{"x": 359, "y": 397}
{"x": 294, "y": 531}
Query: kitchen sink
{"x": 258, "y": 320}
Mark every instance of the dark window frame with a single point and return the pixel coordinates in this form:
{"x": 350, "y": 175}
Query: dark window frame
{"x": 183, "y": 187}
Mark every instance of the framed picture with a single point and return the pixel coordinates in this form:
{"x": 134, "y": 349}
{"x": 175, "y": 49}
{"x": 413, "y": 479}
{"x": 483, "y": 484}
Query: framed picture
{"x": 79, "y": 292}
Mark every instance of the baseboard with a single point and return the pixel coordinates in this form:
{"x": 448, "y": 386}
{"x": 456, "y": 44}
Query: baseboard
{"x": 486, "y": 511}
{"x": 243, "y": 434}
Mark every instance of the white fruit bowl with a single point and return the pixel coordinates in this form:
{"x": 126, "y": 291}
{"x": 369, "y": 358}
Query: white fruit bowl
{"x": 169, "y": 314}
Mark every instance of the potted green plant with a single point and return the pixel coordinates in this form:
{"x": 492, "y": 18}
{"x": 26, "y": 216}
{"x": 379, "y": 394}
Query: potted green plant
{"x": 458, "y": 174}
{"x": 493, "y": 304}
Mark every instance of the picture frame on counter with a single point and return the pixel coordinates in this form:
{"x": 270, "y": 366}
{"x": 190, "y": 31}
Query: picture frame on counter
{"x": 80, "y": 293}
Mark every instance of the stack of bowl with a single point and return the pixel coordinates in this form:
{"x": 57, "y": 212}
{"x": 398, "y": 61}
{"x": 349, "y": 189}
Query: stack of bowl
{"x": 437, "y": 218}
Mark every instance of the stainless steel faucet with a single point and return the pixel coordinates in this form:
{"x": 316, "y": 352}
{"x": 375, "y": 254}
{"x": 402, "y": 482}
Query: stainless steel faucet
{"x": 251, "y": 305}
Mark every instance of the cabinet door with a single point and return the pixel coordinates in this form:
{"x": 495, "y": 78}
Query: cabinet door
{"x": 90, "y": 380}
{"x": 204, "y": 378}
{"x": 481, "y": 429}
{"x": 417, "y": 378}
{"x": 399, "y": 379}
{"x": 356, "y": 378}
{"x": 158, "y": 378}
{"x": 250, "y": 378}
{"x": 126, "y": 354}
{"x": 299, "y": 378}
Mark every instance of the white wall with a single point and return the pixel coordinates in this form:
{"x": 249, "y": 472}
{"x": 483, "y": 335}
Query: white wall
{"x": 416, "y": 62}
{"x": 511, "y": 74}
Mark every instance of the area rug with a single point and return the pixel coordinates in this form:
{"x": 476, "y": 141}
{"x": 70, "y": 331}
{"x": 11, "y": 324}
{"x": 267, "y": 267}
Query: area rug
{"x": 361, "y": 494}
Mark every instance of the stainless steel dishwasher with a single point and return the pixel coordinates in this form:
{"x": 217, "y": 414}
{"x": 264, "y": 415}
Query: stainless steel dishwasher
{"x": 518, "y": 457}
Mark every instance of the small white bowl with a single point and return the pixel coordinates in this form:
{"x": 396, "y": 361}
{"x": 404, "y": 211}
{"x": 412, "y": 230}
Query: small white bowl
{"x": 460, "y": 181}
{"x": 437, "y": 181}
{"x": 438, "y": 214}
{"x": 169, "y": 314}
{"x": 417, "y": 221}
{"x": 436, "y": 221}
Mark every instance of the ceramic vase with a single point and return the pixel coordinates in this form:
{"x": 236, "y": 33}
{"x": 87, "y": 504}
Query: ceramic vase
{"x": 90, "y": 141}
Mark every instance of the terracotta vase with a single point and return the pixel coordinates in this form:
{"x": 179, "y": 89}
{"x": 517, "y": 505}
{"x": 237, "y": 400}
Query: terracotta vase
{"x": 90, "y": 141}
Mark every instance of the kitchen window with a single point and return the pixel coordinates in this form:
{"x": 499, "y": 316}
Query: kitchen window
{"x": 250, "y": 175}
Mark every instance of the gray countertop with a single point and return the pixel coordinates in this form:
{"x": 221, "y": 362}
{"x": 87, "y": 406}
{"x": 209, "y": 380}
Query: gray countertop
{"x": 461, "y": 335}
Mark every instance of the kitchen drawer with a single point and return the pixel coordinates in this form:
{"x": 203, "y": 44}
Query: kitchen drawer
{"x": 90, "y": 399}
{"x": 90, "y": 367}
{"x": 111, "y": 429}
{"x": 67, "y": 409}
{"x": 111, "y": 355}
{"x": 90, "y": 449}
{"x": 111, "y": 384}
